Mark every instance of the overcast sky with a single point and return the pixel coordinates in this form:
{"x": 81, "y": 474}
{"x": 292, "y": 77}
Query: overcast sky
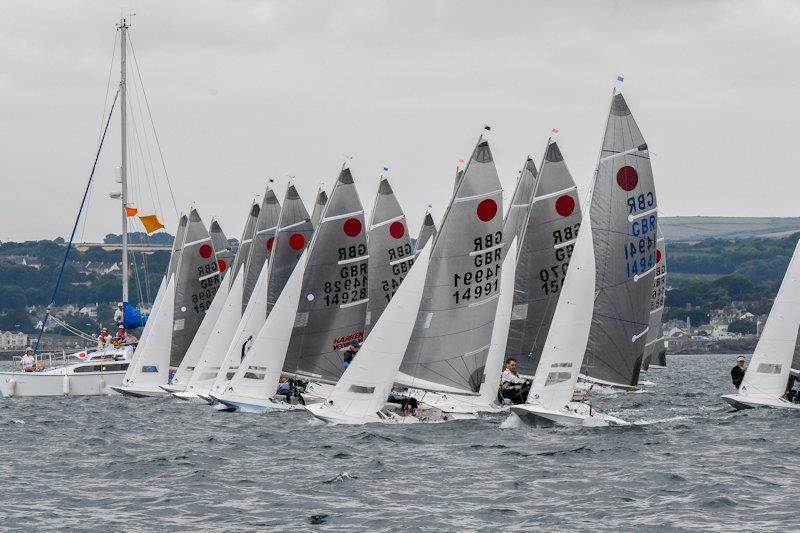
{"x": 245, "y": 91}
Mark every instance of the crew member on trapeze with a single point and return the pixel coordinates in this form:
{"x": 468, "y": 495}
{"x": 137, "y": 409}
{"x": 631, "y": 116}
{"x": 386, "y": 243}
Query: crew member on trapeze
{"x": 737, "y": 372}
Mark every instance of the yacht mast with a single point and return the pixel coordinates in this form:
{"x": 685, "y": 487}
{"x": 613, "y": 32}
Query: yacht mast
{"x": 123, "y": 27}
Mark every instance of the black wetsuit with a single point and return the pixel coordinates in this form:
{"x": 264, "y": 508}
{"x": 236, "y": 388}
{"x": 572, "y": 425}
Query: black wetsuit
{"x": 348, "y": 357}
{"x": 737, "y": 375}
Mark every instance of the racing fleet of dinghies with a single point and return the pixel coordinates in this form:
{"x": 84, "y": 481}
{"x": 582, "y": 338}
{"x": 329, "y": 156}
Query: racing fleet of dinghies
{"x": 437, "y": 315}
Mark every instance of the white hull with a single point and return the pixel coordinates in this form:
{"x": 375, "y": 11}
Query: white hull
{"x": 575, "y": 414}
{"x": 739, "y": 402}
{"x": 388, "y": 415}
{"x": 455, "y": 403}
{"x": 173, "y": 388}
{"x": 58, "y": 382}
{"x": 187, "y": 396}
{"x": 139, "y": 392}
{"x": 246, "y": 404}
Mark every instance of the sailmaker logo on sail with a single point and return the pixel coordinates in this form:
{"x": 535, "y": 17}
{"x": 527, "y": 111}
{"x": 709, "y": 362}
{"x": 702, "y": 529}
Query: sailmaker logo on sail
{"x": 345, "y": 340}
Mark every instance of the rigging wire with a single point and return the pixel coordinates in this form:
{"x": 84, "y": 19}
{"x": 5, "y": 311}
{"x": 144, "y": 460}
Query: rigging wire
{"x": 75, "y": 226}
{"x": 102, "y": 117}
{"x": 152, "y": 122}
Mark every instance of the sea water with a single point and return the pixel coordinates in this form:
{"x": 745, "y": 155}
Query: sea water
{"x": 156, "y": 464}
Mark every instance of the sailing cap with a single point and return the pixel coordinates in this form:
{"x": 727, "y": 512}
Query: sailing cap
{"x": 355, "y": 343}
{"x": 28, "y": 349}
{"x": 740, "y": 358}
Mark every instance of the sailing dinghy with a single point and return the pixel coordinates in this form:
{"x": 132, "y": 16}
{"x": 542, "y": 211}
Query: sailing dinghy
{"x": 185, "y": 370}
{"x": 546, "y": 244}
{"x": 229, "y": 313}
{"x": 624, "y": 215}
{"x": 320, "y": 311}
{"x": 764, "y": 383}
{"x": 188, "y": 296}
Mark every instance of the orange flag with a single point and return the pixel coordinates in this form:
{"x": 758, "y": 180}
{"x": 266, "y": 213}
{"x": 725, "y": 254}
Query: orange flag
{"x": 151, "y": 223}
{"x": 131, "y": 211}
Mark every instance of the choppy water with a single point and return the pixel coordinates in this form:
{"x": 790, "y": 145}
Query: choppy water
{"x": 112, "y": 463}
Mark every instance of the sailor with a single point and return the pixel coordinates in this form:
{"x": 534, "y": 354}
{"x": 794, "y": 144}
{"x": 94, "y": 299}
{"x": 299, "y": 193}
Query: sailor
{"x": 404, "y": 401}
{"x": 124, "y": 338}
{"x": 104, "y": 339}
{"x": 791, "y": 393}
{"x": 737, "y": 372}
{"x": 513, "y": 387}
{"x": 28, "y": 361}
{"x": 119, "y": 316}
{"x": 351, "y": 352}
{"x": 284, "y": 387}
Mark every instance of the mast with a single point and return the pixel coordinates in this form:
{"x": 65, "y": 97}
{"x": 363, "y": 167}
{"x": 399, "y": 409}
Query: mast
{"x": 123, "y": 27}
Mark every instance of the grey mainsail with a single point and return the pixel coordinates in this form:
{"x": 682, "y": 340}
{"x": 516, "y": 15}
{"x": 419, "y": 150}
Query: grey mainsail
{"x": 333, "y": 299}
{"x": 245, "y": 243}
{"x": 453, "y": 330}
{"x": 548, "y": 238}
{"x": 624, "y": 216}
{"x": 196, "y": 281}
{"x": 222, "y": 248}
{"x": 319, "y": 207}
{"x": 520, "y": 202}
{"x": 263, "y": 238}
{"x": 426, "y": 232}
{"x": 657, "y": 297}
{"x": 390, "y": 252}
{"x": 293, "y": 235}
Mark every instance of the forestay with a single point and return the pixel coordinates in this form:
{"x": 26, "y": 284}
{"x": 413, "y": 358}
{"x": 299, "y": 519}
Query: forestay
{"x": 657, "y": 297}
{"x": 332, "y": 308}
{"x": 196, "y": 282}
{"x": 453, "y": 328}
{"x": 548, "y": 238}
{"x": 390, "y": 253}
{"x": 768, "y": 371}
{"x": 624, "y": 216}
{"x": 266, "y": 225}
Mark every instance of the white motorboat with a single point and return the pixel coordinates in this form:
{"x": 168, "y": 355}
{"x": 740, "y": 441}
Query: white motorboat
{"x": 86, "y": 373}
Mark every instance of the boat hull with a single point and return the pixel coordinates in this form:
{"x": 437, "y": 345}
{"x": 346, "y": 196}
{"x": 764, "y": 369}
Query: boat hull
{"x": 740, "y": 402}
{"x": 140, "y": 392}
{"x": 242, "y": 404}
{"x": 578, "y": 414}
{"x": 31, "y": 384}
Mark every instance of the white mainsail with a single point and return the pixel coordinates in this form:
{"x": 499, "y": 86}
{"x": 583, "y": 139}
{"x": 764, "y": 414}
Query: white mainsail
{"x": 361, "y": 393}
{"x": 255, "y": 380}
{"x": 765, "y": 380}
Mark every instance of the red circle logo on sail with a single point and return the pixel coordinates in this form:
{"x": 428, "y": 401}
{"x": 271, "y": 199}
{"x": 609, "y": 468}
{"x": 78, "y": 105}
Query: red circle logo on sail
{"x": 270, "y": 243}
{"x": 565, "y": 205}
{"x": 297, "y": 241}
{"x": 487, "y": 209}
{"x": 658, "y": 256}
{"x": 352, "y": 227}
{"x": 206, "y": 251}
{"x": 397, "y": 229}
{"x": 223, "y": 266}
{"x": 627, "y": 178}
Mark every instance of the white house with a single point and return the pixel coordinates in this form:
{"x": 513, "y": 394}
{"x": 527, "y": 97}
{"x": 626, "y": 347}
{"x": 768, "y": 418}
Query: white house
{"x": 13, "y": 340}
